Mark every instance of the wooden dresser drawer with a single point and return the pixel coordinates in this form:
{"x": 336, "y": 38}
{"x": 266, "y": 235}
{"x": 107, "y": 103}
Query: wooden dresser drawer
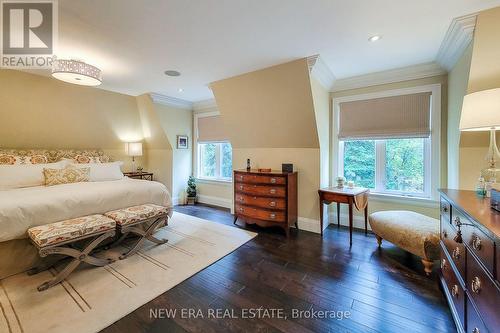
{"x": 261, "y": 190}
{"x": 474, "y": 322}
{"x": 259, "y": 179}
{"x": 453, "y": 286}
{"x": 481, "y": 245}
{"x": 484, "y": 293}
{"x": 262, "y": 214}
{"x": 263, "y": 202}
{"x": 455, "y": 250}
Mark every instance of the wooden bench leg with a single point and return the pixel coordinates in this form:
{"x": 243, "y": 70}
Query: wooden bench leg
{"x": 427, "y": 266}
{"x": 79, "y": 257}
{"x": 147, "y": 234}
{"x": 379, "y": 240}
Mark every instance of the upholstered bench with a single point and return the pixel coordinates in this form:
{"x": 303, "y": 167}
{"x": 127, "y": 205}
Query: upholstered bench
{"x": 132, "y": 220}
{"x": 60, "y": 238}
{"x": 413, "y": 232}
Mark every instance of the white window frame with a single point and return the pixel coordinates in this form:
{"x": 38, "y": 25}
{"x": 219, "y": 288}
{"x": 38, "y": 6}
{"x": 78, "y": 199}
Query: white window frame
{"x": 432, "y": 154}
{"x": 197, "y": 152}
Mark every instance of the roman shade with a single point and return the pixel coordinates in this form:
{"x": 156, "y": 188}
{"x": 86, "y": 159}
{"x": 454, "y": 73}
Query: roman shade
{"x": 404, "y": 116}
{"x": 211, "y": 129}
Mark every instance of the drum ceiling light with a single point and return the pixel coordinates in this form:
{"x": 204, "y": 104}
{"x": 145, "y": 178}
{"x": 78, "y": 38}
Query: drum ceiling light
{"x": 76, "y": 72}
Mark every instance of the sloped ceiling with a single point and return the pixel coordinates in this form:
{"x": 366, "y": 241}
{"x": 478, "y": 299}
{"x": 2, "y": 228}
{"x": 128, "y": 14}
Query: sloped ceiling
{"x": 275, "y": 102}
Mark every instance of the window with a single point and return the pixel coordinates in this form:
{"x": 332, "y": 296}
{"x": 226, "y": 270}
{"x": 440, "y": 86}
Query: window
{"x": 390, "y": 141}
{"x": 392, "y": 166}
{"x": 215, "y": 160}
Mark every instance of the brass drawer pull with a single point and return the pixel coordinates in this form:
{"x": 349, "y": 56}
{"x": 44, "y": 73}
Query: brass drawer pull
{"x": 241, "y": 209}
{"x": 476, "y": 243}
{"x": 443, "y": 263}
{"x": 457, "y": 221}
{"x": 273, "y": 180}
{"x": 445, "y": 209}
{"x": 476, "y": 285}
{"x": 272, "y": 191}
{"x": 241, "y": 199}
{"x": 454, "y": 290}
{"x": 272, "y": 215}
{"x": 241, "y": 187}
{"x": 272, "y": 204}
{"x": 445, "y": 234}
{"x": 241, "y": 177}
{"x": 456, "y": 253}
{"x": 476, "y": 330}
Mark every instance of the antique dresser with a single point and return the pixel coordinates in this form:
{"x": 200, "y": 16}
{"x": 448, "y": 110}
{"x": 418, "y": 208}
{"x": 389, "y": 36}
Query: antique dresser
{"x": 470, "y": 260}
{"x": 266, "y": 199}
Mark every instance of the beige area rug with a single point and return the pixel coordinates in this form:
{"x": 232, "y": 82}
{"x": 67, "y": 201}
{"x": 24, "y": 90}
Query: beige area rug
{"x": 93, "y": 298}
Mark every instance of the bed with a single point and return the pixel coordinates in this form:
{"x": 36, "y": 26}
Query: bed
{"x": 23, "y": 208}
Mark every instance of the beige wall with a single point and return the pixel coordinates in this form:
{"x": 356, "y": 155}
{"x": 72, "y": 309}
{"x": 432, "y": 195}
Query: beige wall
{"x": 379, "y": 204}
{"x": 40, "y": 112}
{"x": 457, "y": 88}
{"x": 484, "y": 74}
{"x": 175, "y": 121}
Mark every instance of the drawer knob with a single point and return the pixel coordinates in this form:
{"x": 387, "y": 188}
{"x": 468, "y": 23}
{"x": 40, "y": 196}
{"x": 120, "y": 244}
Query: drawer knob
{"x": 445, "y": 234}
{"x": 241, "y": 187}
{"x": 241, "y": 209}
{"x": 241, "y": 199}
{"x": 476, "y": 243}
{"x": 476, "y": 285}
{"x": 241, "y": 177}
{"x": 272, "y": 215}
{"x": 456, "y": 253}
{"x": 443, "y": 264}
{"x": 445, "y": 209}
{"x": 273, "y": 180}
{"x": 272, "y": 204}
{"x": 476, "y": 330}
{"x": 272, "y": 191}
{"x": 454, "y": 290}
{"x": 457, "y": 221}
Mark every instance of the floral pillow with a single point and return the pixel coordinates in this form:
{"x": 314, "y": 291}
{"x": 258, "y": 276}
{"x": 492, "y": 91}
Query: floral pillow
{"x": 66, "y": 176}
{"x": 84, "y": 159}
{"x": 13, "y": 159}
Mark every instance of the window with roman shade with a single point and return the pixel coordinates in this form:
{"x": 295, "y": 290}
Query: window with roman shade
{"x": 213, "y": 149}
{"x": 404, "y": 116}
{"x": 388, "y": 141}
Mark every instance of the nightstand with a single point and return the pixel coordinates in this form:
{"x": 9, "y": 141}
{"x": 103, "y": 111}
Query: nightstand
{"x": 139, "y": 175}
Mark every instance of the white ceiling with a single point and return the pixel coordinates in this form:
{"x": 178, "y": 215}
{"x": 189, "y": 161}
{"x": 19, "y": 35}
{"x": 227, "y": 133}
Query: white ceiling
{"x": 134, "y": 42}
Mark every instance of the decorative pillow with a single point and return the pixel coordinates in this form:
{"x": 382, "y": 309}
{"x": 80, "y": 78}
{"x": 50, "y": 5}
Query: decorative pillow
{"x": 66, "y": 176}
{"x": 103, "y": 171}
{"x": 84, "y": 159}
{"x": 8, "y": 159}
{"x": 13, "y": 159}
{"x": 25, "y": 175}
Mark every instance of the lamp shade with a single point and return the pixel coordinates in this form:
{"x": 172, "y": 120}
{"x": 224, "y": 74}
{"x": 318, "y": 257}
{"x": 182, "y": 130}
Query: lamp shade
{"x": 134, "y": 149}
{"x": 481, "y": 111}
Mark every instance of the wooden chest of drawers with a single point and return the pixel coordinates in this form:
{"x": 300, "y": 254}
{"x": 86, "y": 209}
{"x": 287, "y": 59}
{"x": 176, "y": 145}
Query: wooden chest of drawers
{"x": 266, "y": 199}
{"x": 470, "y": 240}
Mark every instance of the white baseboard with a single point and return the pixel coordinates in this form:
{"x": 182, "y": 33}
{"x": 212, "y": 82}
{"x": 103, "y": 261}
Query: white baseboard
{"x": 215, "y": 201}
{"x": 308, "y": 224}
{"x": 358, "y": 221}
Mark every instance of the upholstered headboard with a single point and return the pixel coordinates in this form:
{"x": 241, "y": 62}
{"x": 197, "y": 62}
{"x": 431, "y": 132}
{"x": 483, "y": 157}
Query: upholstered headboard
{"x": 37, "y": 156}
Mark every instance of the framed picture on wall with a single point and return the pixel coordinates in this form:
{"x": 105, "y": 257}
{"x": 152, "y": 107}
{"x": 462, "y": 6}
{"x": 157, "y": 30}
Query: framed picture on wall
{"x": 182, "y": 142}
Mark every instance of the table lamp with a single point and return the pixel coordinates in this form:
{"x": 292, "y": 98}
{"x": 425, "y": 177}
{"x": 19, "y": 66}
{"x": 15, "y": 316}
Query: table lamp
{"x": 481, "y": 112}
{"x": 134, "y": 149}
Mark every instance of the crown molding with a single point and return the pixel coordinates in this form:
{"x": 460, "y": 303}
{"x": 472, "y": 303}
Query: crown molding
{"x": 457, "y": 39}
{"x": 171, "y": 101}
{"x": 320, "y": 71}
{"x": 389, "y": 76}
{"x": 204, "y": 105}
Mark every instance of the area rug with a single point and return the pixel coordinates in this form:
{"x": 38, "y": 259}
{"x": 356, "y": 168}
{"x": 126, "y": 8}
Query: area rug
{"x": 93, "y": 298}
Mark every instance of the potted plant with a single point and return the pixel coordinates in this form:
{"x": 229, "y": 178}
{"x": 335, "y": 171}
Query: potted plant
{"x": 191, "y": 190}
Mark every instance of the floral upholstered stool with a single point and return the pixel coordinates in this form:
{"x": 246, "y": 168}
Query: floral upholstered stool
{"x": 59, "y": 238}
{"x": 413, "y": 232}
{"x": 142, "y": 220}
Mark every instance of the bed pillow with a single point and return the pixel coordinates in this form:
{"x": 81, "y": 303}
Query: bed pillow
{"x": 103, "y": 171}
{"x": 66, "y": 175}
{"x": 25, "y": 175}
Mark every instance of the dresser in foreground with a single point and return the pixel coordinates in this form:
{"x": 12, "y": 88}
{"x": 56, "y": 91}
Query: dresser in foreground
{"x": 266, "y": 198}
{"x": 470, "y": 260}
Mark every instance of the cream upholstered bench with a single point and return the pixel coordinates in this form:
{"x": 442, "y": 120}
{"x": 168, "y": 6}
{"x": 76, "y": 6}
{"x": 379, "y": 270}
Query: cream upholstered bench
{"x": 60, "y": 238}
{"x": 413, "y": 232}
{"x": 131, "y": 219}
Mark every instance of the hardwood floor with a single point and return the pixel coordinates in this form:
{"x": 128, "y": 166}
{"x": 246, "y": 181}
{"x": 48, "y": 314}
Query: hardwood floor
{"x": 381, "y": 291}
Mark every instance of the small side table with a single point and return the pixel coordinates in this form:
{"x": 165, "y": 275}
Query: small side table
{"x": 139, "y": 175}
{"x": 357, "y": 196}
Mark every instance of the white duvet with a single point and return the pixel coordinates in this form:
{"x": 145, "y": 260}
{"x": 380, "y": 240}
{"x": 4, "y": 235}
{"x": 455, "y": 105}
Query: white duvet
{"x": 23, "y": 208}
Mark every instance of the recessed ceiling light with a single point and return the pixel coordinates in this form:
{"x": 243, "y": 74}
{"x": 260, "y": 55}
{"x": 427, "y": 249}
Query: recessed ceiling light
{"x": 172, "y": 73}
{"x": 374, "y": 38}
{"x": 180, "y": 90}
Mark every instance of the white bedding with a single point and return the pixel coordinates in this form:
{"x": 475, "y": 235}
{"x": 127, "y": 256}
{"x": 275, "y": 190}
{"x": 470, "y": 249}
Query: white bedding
{"x": 23, "y": 208}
